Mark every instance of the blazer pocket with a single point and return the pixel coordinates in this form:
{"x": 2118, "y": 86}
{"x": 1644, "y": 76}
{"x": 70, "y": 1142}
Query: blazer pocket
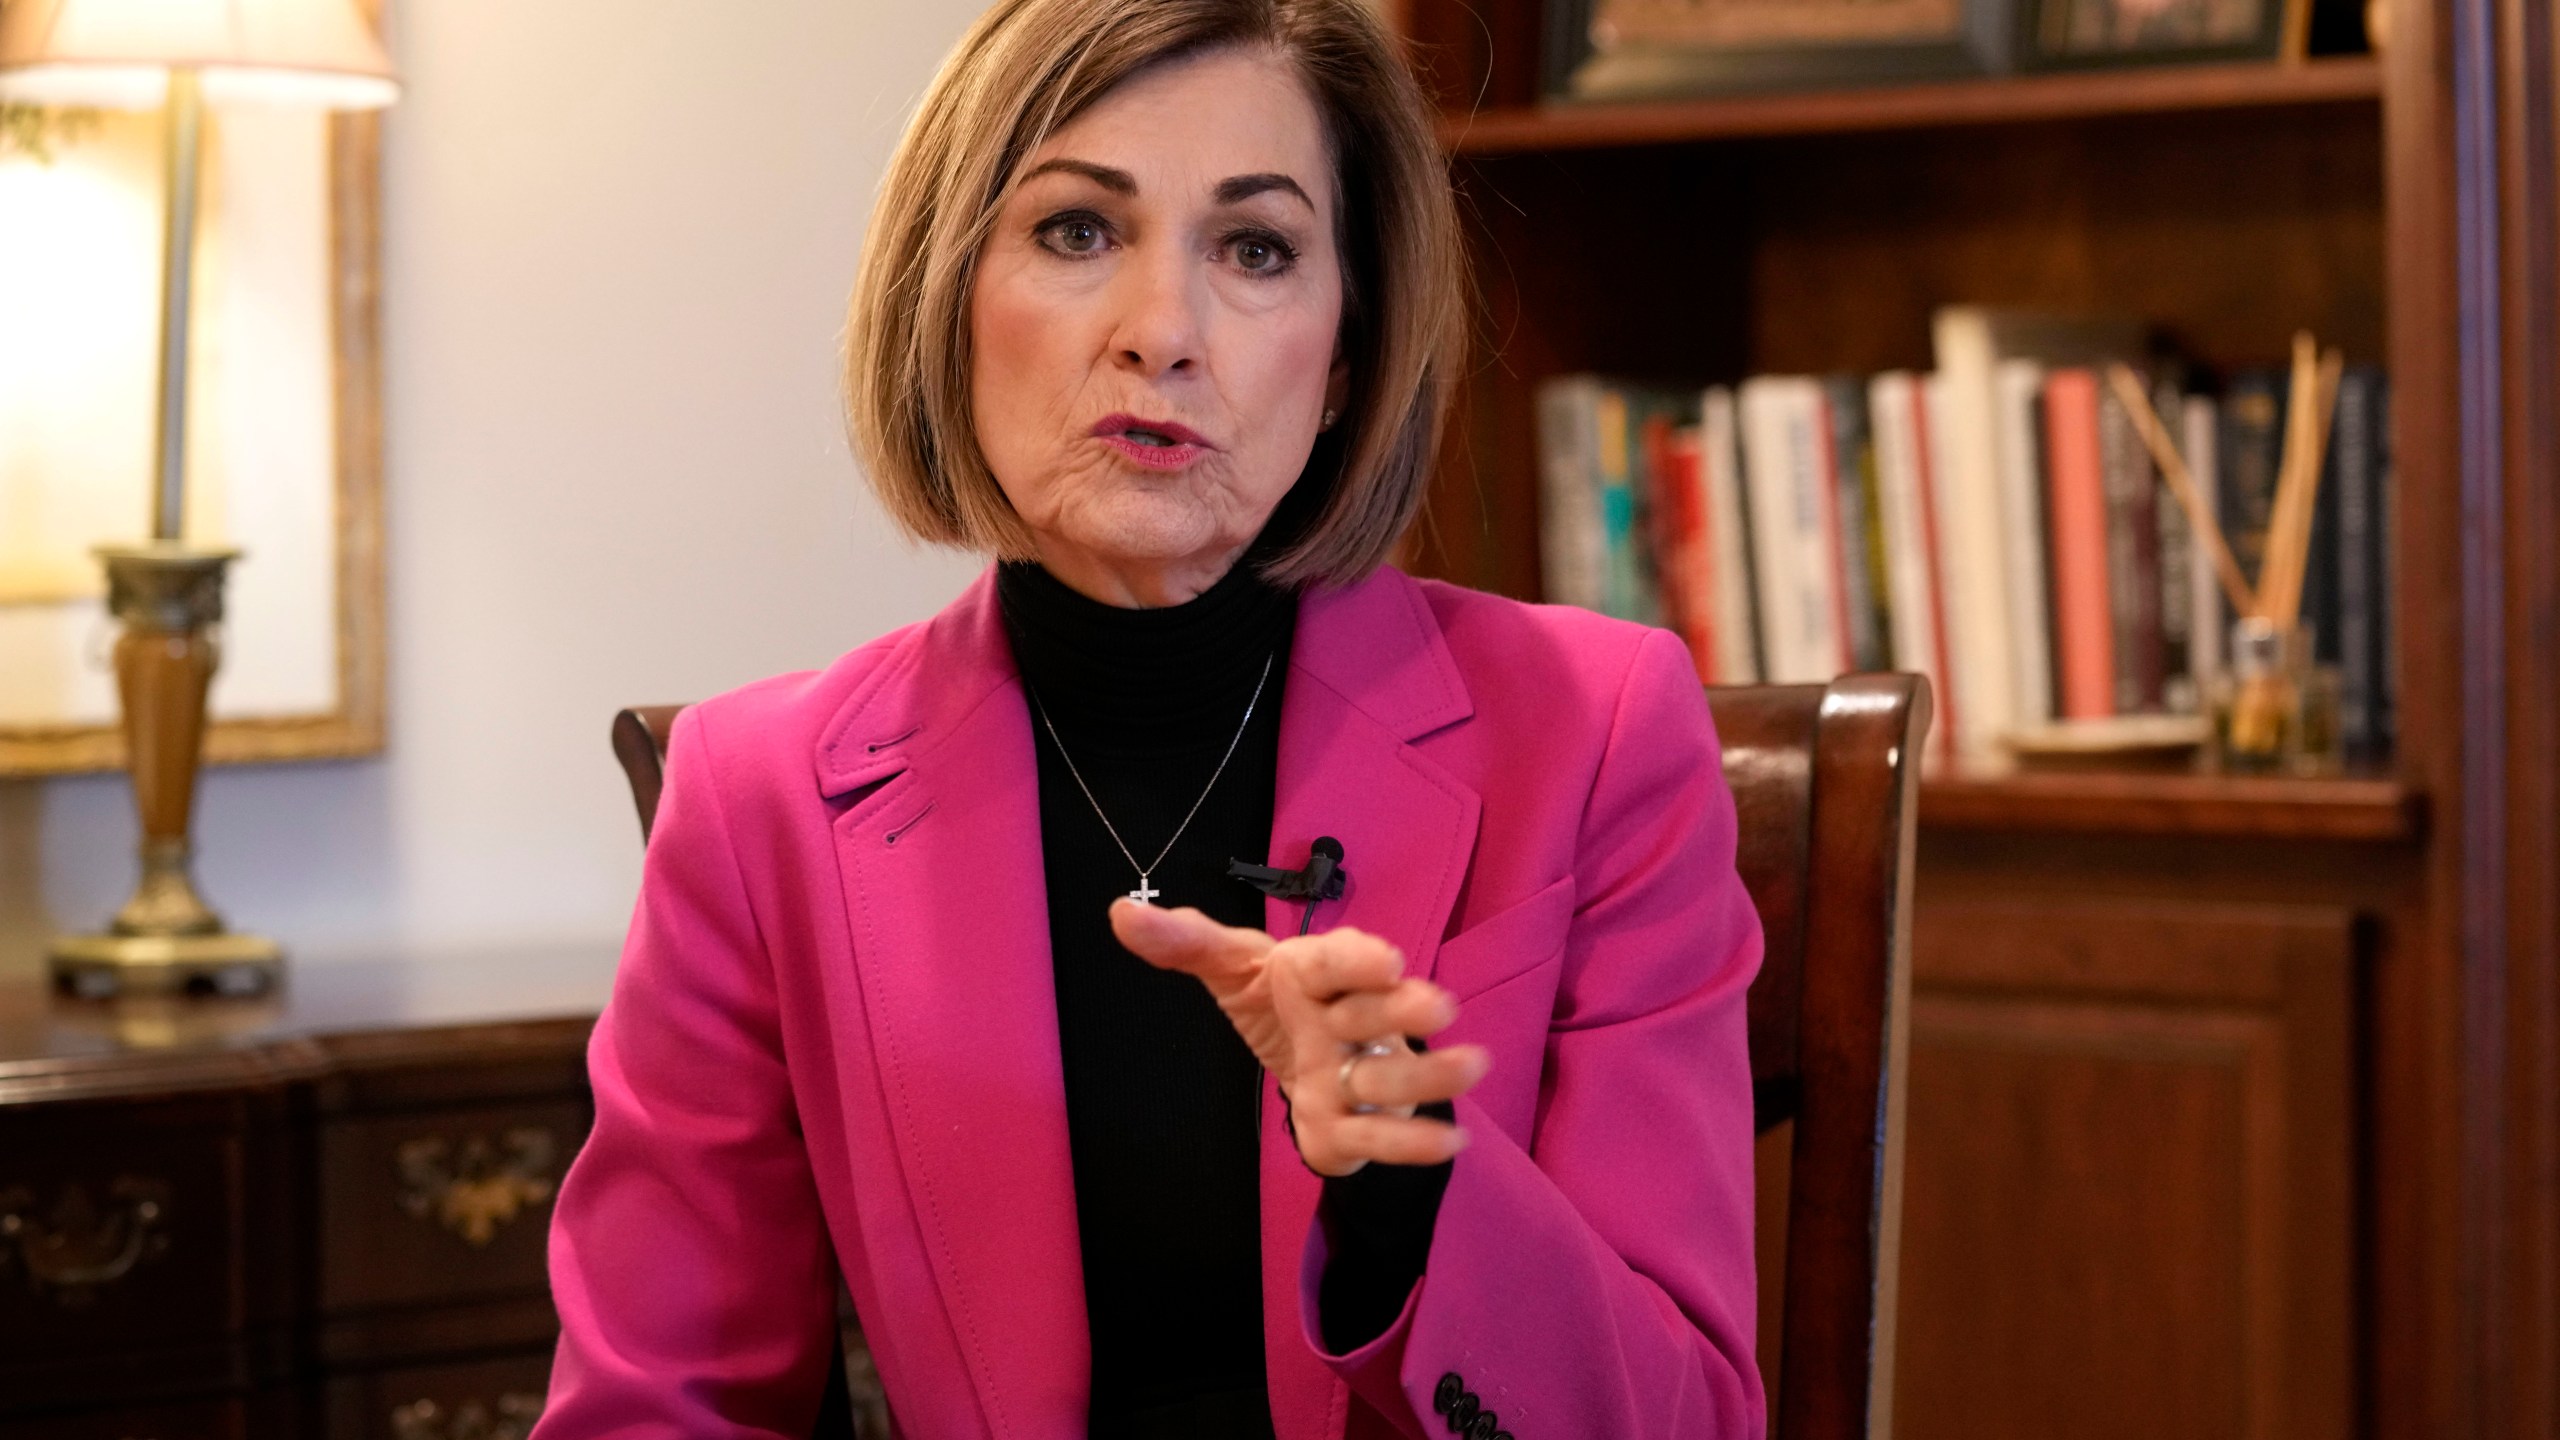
{"x": 1512, "y": 941}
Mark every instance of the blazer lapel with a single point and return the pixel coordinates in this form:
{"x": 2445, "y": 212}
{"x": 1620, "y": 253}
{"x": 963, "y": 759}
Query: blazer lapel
{"x": 1368, "y": 675}
{"x": 948, "y": 907}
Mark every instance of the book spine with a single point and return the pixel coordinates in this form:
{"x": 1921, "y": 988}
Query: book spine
{"x": 1735, "y": 606}
{"x": 2251, "y": 447}
{"x": 2386, "y": 673}
{"x": 2177, "y": 545}
{"x": 1791, "y": 527}
{"x": 1852, "y": 467}
{"x": 1892, "y": 415}
{"x": 2133, "y": 558}
{"x": 2051, "y": 599}
{"x": 1981, "y": 580}
{"x": 1817, "y": 468}
{"x": 1956, "y": 724}
{"x": 2083, "y": 617}
{"x": 2211, "y": 612}
{"x": 1620, "y": 588}
{"x": 2359, "y": 573}
{"x": 1680, "y": 538}
{"x": 1570, "y": 534}
{"x": 2320, "y": 568}
{"x": 2018, "y": 388}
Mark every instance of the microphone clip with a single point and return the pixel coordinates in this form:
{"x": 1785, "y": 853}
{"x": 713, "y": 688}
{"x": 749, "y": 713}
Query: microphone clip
{"x": 1320, "y": 879}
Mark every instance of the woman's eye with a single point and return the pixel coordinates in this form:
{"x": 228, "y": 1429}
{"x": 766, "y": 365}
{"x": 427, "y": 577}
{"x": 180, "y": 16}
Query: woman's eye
{"x": 1260, "y": 254}
{"x": 1073, "y": 235}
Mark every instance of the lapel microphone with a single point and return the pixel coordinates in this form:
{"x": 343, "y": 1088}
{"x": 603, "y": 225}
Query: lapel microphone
{"x": 1321, "y": 879}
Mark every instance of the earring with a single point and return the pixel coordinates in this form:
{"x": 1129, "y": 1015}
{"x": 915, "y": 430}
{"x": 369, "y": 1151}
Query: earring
{"x": 1327, "y": 422}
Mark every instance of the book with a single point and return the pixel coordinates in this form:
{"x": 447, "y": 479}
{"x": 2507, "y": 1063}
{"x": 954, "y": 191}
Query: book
{"x": 1572, "y": 540}
{"x": 2083, "y": 603}
{"x": 1864, "y": 600}
{"x": 2133, "y": 557}
{"x": 2356, "y": 471}
{"x": 2208, "y": 627}
{"x": 2386, "y": 676}
{"x": 2018, "y": 391}
{"x": 1897, "y": 410}
{"x": 1785, "y": 445}
{"x": 1957, "y": 723}
{"x": 2180, "y": 685}
{"x": 1673, "y": 467}
{"x": 1735, "y": 600}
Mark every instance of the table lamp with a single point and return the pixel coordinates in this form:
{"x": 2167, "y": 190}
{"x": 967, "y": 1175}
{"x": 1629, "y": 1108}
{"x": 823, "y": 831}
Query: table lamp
{"x": 167, "y": 593}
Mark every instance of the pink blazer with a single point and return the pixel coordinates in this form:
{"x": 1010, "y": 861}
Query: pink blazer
{"x": 833, "y": 1043}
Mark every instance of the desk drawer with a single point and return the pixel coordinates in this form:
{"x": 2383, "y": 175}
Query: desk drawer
{"x": 122, "y": 1228}
{"x": 423, "y": 1207}
{"x": 489, "y": 1399}
{"x": 197, "y": 1420}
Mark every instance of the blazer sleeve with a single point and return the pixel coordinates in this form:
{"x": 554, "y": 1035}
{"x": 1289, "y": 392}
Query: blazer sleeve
{"x": 1595, "y": 1277}
{"x": 689, "y": 1259}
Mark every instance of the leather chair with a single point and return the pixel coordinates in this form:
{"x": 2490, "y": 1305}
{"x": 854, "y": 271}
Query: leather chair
{"x": 1826, "y": 779}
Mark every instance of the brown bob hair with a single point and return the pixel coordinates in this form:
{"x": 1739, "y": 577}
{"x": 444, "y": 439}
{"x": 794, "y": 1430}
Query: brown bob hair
{"x": 1027, "y": 68}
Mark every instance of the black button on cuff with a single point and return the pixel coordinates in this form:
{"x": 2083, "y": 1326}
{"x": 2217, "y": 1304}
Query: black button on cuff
{"x": 1463, "y": 1414}
{"x": 1445, "y": 1397}
{"x": 1482, "y": 1427}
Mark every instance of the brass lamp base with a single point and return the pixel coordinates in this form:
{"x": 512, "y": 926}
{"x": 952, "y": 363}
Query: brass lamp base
{"x": 165, "y": 939}
{"x": 100, "y": 967}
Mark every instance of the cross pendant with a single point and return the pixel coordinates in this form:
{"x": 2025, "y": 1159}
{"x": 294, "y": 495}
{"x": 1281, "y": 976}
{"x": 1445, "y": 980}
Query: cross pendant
{"x": 1145, "y": 894}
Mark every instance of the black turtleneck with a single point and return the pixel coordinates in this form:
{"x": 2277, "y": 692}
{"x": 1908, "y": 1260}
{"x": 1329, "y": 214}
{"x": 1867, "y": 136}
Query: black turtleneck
{"x": 1161, "y": 1093}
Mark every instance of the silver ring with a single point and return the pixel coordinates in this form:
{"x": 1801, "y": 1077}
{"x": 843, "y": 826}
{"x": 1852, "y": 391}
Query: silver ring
{"x": 1342, "y": 1081}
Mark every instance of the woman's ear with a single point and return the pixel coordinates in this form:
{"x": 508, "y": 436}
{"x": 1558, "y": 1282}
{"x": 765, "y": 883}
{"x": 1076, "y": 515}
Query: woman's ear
{"x": 1337, "y": 386}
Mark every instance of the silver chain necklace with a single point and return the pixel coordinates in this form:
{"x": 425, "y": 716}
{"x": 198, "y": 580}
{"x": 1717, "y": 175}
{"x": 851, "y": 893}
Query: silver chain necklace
{"x": 1146, "y": 893}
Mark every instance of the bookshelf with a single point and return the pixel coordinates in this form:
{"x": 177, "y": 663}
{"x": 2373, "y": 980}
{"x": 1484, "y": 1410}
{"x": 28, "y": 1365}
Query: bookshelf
{"x": 2195, "y": 806}
{"x": 2226, "y": 1116}
{"x": 1519, "y": 129}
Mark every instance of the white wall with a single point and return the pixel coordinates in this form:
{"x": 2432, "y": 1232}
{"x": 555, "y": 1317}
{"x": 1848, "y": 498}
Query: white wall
{"x": 618, "y": 236}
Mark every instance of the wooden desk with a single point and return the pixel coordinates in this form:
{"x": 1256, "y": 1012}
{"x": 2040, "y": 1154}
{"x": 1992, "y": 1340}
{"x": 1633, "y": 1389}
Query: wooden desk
{"x": 318, "y": 1215}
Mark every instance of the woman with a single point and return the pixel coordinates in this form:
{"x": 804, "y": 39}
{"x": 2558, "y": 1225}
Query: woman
{"x": 939, "y": 977}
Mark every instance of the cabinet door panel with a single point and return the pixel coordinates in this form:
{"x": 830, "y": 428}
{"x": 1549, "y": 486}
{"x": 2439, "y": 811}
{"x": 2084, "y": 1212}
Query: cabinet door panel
{"x": 2127, "y": 1193}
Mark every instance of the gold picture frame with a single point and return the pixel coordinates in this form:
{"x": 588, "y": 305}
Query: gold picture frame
{"x": 354, "y": 726}
{"x": 1613, "y": 50}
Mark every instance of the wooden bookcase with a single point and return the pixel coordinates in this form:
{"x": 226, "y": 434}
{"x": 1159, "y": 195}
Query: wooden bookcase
{"x": 2226, "y": 1117}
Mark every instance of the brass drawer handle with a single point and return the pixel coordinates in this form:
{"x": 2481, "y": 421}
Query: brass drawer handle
{"x": 477, "y": 1185}
{"x": 79, "y": 1245}
{"x": 510, "y": 1417}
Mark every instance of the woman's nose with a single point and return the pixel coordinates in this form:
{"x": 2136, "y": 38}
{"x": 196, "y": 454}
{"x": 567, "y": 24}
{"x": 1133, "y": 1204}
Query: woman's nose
{"x": 1158, "y": 325}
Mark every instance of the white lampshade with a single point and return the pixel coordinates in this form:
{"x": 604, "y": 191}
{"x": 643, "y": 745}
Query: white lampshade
{"x": 118, "y": 53}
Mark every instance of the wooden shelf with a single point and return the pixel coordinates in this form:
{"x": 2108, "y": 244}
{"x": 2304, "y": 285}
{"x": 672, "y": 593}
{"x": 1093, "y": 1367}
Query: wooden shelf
{"x": 2366, "y": 809}
{"x": 2004, "y": 100}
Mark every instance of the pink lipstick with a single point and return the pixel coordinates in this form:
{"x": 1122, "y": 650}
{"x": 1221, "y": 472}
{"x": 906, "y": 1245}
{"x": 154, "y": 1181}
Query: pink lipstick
{"x": 1153, "y": 444}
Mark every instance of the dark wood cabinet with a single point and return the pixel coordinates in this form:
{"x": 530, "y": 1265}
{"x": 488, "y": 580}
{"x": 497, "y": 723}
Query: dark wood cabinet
{"x": 2127, "y": 1205}
{"x": 322, "y": 1215}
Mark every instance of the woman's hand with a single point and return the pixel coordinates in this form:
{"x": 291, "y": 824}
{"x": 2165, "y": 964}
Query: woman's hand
{"x": 1306, "y": 1005}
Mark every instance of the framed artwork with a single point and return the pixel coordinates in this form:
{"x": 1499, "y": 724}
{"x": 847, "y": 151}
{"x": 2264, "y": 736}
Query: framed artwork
{"x": 1632, "y": 49}
{"x": 284, "y": 434}
{"x": 2071, "y": 34}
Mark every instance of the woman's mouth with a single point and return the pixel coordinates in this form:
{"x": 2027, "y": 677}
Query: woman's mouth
{"x": 1152, "y": 444}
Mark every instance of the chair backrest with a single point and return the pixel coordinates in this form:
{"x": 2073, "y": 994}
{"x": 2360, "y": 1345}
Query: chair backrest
{"x": 1826, "y": 780}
